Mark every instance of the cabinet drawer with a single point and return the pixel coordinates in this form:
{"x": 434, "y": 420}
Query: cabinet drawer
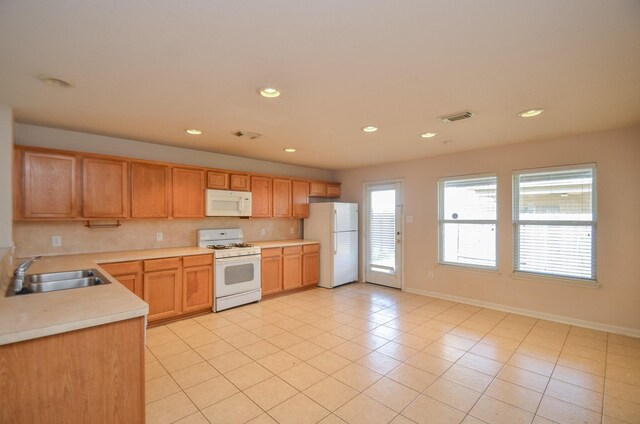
{"x": 311, "y": 248}
{"x": 158, "y": 264}
{"x": 198, "y": 260}
{"x": 267, "y": 253}
{"x": 292, "y": 250}
{"x": 120, "y": 268}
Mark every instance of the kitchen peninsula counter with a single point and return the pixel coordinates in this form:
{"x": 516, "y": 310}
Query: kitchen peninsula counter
{"x": 31, "y": 316}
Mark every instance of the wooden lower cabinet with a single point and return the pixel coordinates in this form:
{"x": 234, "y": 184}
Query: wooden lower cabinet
{"x": 271, "y": 266}
{"x": 163, "y": 293}
{"x": 310, "y": 264}
{"x": 129, "y": 274}
{"x": 290, "y": 268}
{"x": 197, "y": 288}
{"x": 92, "y": 375}
{"x": 171, "y": 286}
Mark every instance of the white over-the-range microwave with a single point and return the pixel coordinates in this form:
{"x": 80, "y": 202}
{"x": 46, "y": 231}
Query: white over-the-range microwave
{"x": 227, "y": 203}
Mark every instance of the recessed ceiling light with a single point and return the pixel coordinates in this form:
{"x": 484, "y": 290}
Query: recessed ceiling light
{"x": 269, "y": 92}
{"x": 289, "y": 150}
{"x": 369, "y": 128}
{"x": 193, "y": 131}
{"x": 530, "y": 113}
{"x": 58, "y": 82}
{"x": 428, "y": 135}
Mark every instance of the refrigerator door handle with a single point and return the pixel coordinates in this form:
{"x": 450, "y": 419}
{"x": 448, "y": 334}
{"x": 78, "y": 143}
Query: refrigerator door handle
{"x": 335, "y": 220}
{"x": 335, "y": 244}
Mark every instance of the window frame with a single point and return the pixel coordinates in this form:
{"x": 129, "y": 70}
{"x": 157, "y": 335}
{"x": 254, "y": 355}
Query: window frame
{"x": 442, "y": 221}
{"x": 515, "y": 208}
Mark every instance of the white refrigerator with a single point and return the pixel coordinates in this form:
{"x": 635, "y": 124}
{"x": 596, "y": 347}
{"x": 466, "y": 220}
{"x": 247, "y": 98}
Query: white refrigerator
{"x": 335, "y": 226}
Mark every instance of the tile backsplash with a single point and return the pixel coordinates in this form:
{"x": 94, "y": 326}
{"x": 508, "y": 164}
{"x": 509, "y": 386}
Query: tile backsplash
{"x": 35, "y": 238}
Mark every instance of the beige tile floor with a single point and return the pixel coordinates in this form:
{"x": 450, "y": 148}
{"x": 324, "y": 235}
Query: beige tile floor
{"x": 366, "y": 354}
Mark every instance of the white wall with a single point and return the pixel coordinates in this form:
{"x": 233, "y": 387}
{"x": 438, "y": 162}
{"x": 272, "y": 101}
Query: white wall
{"x": 31, "y": 135}
{"x": 6, "y": 175}
{"x": 617, "y": 154}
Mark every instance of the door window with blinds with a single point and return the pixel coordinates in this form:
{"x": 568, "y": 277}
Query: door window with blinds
{"x": 467, "y": 217}
{"x": 554, "y": 220}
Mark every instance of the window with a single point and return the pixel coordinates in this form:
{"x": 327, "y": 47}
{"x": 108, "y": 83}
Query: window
{"x": 554, "y": 222}
{"x": 467, "y": 221}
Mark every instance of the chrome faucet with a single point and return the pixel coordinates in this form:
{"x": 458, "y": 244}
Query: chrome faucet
{"x": 21, "y": 270}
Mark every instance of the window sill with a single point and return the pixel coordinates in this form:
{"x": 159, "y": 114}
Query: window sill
{"x": 468, "y": 268}
{"x": 559, "y": 281}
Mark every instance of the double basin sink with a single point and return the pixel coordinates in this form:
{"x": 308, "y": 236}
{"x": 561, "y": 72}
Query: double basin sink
{"x": 54, "y": 281}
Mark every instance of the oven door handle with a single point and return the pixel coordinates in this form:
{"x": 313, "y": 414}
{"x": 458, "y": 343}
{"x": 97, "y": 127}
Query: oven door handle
{"x": 245, "y": 258}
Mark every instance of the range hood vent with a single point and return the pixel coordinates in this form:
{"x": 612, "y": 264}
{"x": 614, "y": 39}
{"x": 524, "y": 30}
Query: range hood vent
{"x": 247, "y": 134}
{"x": 457, "y": 116}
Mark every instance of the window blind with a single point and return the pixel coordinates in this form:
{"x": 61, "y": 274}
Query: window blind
{"x": 382, "y": 231}
{"x": 554, "y": 222}
{"x": 467, "y": 218}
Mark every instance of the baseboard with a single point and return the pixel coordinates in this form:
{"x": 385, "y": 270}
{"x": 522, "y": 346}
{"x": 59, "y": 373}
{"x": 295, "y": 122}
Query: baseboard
{"x": 633, "y": 332}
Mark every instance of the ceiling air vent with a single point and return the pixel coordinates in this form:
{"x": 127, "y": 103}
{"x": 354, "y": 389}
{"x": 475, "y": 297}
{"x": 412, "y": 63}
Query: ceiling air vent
{"x": 247, "y": 135}
{"x": 457, "y": 116}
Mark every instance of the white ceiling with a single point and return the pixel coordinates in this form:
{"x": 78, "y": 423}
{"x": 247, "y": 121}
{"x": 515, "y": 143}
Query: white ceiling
{"x": 148, "y": 69}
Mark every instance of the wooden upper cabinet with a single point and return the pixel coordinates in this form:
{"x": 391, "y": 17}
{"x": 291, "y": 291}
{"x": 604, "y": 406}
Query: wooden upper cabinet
{"x": 239, "y": 182}
{"x": 317, "y": 189}
{"x": 300, "y": 199}
{"x": 333, "y": 190}
{"x": 150, "y": 190}
{"x": 49, "y": 185}
{"x": 281, "y": 198}
{"x": 188, "y": 193}
{"x": 218, "y": 180}
{"x": 105, "y": 192}
{"x": 261, "y": 193}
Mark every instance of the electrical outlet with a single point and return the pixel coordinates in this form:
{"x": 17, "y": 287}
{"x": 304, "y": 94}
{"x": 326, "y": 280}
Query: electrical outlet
{"x": 263, "y": 231}
{"x": 56, "y": 241}
{"x": 409, "y": 219}
{"x": 292, "y": 230}
{"x": 430, "y": 274}
{"x": 159, "y": 236}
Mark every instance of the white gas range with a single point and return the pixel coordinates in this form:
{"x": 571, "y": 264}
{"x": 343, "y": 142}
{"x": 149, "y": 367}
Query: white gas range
{"x": 236, "y": 276}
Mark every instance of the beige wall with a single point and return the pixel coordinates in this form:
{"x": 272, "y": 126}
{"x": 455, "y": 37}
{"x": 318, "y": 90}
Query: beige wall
{"x": 31, "y": 135}
{"x": 34, "y": 238}
{"x": 617, "y": 154}
{"x": 6, "y": 160}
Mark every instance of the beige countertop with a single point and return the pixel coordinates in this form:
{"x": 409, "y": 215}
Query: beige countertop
{"x": 43, "y": 314}
{"x": 282, "y": 243}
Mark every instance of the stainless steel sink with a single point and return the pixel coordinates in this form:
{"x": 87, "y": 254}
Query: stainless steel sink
{"x": 57, "y": 276}
{"x": 54, "y": 281}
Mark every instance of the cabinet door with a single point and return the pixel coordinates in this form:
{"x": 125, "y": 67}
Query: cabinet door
{"x": 129, "y": 274}
{"x": 317, "y": 189}
{"x": 218, "y": 180}
{"x": 197, "y": 288}
{"x": 261, "y": 193}
{"x": 239, "y": 182}
{"x": 105, "y": 191}
{"x": 292, "y": 267}
{"x": 300, "y": 199}
{"x": 333, "y": 190}
{"x": 150, "y": 190}
{"x": 281, "y": 198}
{"x": 188, "y": 193}
{"x": 271, "y": 268}
{"x": 163, "y": 293}
{"x": 50, "y": 186}
{"x": 311, "y": 265}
